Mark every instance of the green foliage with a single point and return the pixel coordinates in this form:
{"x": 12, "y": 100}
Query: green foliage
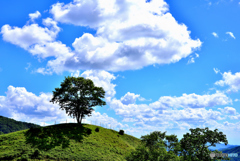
{"x": 97, "y": 129}
{"x": 8, "y": 125}
{"x": 153, "y": 148}
{"x": 193, "y": 146}
{"x": 77, "y": 96}
{"x": 24, "y": 157}
{"x": 89, "y": 131}
{"x": 36, "y": 154}
{"x": 141, "y": 153}
{"x": 121, "y": 132}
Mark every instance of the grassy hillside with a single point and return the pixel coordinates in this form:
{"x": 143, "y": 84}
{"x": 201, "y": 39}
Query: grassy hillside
{"x": 66, "y": 142}
{"x": 8, "y": 125}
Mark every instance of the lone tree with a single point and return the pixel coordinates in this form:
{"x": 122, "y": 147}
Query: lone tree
{"x": 77, "y": 96}
{"x": 193, "y": 146}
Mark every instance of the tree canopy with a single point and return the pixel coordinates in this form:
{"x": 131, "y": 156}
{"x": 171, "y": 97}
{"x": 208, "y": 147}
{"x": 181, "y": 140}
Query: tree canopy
{"x": 153, "y": 148}
{"x": 194, "y": 145}
{"x": 77, "y": 96}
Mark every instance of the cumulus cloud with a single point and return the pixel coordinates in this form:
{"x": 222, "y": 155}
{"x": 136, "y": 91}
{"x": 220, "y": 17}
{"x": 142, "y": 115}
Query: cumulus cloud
{"x": 129, "y": 98}
{"x": 18, "y": 102}
{"x": 105, "y": 121}
{"x": 191, "y": 101}
{"x": 163, "y": 106}
{"x": 231, "y": 34}
{"x": 236, "y": 117}
{"x": 40, "y": 42}
{"x": 30, "y": 35}
{"x": 195, "y": 116}
{"x": 34, "y": 16}
{"x": 215, "y": 34}
{"x": 122, "y": 42}
{"x": 22, "y": 105}
{"x": 129, "y": 36}
{"x": 27, "y": 36}
{"x": 231, "y": 80}
{"x": 230, "y": 110}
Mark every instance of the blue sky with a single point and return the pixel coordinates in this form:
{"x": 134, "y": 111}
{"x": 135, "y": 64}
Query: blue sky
{"x": 165, "y": 65}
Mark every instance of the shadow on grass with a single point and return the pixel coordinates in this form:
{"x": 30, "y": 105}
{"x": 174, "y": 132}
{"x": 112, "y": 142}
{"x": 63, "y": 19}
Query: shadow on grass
{"x": 46, "y": 138}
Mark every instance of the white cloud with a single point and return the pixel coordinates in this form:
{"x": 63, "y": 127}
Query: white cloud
{"x": 130, "y": 35}
{"x": 105, "y": 120}
{"x": 231, "y": 34}
{"x": 143, "y": 99}
{"x": 216, "y": 70}
{"x": 27, "y": 36}
{"x": 231, "y": 80}
{"x": 236, "y": 117}
{"x": 35, "y": 15}
{"x": 19, "y": 104}
{"x": 129, "y": 98}
{"x": 161, "y": 109}
{"x": 230, "y": 110}
{"x": 23, "y": 105}
{"x": 215, "y": 34}
{"x": 123, "y": 41}
{"x": 40, "y": 42}
{"x": 191, "y": 101}
{"x": 33, "y": 37}
{"x": 195, "y": 116}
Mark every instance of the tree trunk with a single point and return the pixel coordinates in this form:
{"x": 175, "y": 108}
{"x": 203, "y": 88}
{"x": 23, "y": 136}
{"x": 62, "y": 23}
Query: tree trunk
{"x": 78, "y": 115}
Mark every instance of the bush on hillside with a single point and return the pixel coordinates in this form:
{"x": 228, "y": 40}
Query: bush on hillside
{"x": 97, "y": 129}
{"x": 89, "y": 131}
{"x": 121, "y": 132}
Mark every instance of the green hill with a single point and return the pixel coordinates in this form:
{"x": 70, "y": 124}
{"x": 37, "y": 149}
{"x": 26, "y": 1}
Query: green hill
{"x": 66, "y": 142}
{"x": 8, "y": 125}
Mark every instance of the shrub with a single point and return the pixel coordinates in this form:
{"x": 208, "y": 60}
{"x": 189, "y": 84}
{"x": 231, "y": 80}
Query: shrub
{"x": 97, "y": 129}
{"x": 121, "y": 132}
{"x": 89, "y": 131}
{"x": 36, "y": 154}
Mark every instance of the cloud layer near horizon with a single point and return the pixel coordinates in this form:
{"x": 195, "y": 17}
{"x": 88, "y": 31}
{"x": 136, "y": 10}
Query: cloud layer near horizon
{"x": 166, "y": 111}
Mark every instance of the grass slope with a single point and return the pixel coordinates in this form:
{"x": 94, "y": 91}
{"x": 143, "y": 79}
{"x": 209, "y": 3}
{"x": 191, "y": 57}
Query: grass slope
{"x": 66, "y": 142}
